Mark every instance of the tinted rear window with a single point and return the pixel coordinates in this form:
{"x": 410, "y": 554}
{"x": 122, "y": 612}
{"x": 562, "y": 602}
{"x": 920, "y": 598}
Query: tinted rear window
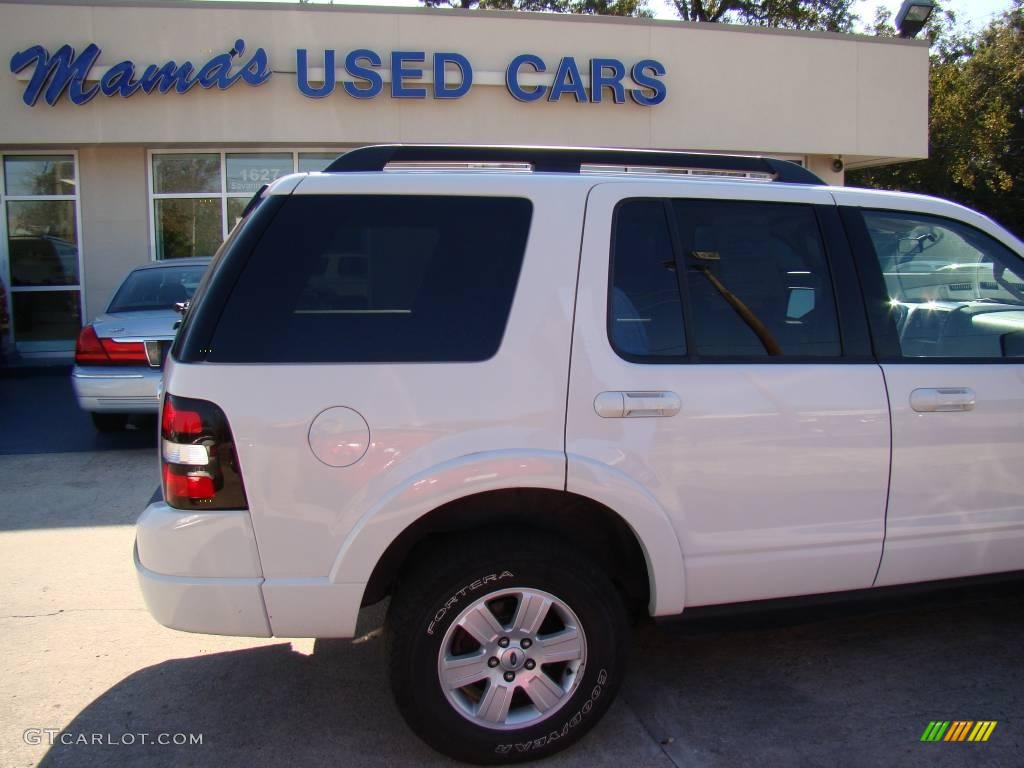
{"x": 377, "y": 278}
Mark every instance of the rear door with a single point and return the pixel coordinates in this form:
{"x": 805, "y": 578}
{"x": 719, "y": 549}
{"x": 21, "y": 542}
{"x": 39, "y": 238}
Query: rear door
{"x": 947, "y": 303}
{"x": 721, "y": 364}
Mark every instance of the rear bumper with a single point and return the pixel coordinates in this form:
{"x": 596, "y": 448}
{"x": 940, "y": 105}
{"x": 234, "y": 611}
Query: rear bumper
{"x": 210, "y": 606}
{"x": 111, "y": 389}
{"x": 200, "y": 571}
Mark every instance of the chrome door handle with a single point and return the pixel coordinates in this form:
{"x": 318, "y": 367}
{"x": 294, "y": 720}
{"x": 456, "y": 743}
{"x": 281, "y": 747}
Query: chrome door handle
{"x": 626, "y": 405}
{"x": 942, "y": 399}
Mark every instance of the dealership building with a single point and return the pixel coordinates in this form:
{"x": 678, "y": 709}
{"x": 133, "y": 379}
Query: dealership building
{"x": 137, "y": 131}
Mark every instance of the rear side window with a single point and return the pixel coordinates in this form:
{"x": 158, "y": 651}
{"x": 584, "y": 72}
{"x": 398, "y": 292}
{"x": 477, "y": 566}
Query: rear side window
{"x": 645, "y": 317}
{"x": 377, "y": 278}
{"x": 758, "y": 280}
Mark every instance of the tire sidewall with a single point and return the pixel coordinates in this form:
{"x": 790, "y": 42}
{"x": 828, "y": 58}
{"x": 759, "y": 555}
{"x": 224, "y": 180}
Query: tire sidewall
{"x": 433, "y": 716}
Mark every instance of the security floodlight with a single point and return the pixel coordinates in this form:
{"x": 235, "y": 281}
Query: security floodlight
{"x": 913, "y": 16}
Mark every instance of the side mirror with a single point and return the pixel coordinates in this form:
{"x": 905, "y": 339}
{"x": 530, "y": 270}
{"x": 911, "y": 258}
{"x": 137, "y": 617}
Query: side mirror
{"x": 181, "y": 307}
{"x": 908, "y": 247}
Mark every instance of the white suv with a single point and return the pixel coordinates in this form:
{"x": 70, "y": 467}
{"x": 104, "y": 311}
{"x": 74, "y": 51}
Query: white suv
{"x": 528, "y": 393}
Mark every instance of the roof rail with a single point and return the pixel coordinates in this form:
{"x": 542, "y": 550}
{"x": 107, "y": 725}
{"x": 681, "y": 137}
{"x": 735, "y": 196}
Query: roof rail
{"x": 376, "y": 157}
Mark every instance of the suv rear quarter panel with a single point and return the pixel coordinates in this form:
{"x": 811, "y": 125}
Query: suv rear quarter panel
{"x": 437, "y": 430}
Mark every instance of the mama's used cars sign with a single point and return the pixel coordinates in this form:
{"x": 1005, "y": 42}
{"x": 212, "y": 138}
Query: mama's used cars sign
{"x": 360, "y": 74}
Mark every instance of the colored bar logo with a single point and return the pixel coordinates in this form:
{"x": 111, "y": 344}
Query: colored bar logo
{"x": 958, "y": 730}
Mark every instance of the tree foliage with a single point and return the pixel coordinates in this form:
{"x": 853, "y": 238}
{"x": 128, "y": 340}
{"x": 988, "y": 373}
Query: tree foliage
{"x": 821, "y": 15}
{"x": 976, "y": 122}
{"x": 599, "y": 7}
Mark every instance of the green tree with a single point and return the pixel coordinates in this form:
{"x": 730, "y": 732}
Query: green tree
{"x": 596, "y": 7}
{"x": 822, "y": 15}
{"x": 976, "y": 122}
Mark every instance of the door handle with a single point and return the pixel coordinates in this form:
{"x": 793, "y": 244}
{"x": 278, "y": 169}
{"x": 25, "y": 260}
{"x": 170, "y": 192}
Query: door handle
{"x": 942, "y": 399}
{"x": 626, "y": 405}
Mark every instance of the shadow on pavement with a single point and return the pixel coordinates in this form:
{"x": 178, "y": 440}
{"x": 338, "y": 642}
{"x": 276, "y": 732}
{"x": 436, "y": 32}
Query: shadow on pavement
{"x": 262, "y": 706}
{"x": 851, "y": 685}
{"x": 39, "y": 414}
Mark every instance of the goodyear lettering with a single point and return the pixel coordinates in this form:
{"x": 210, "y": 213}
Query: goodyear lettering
{"x": 575, "y": 720}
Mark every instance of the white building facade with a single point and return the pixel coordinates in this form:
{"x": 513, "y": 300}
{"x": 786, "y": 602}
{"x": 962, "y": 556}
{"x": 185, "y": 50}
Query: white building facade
{"x": 133, "y": 131}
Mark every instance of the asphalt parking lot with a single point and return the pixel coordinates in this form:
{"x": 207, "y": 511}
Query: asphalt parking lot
{"x": 853, "y": 684}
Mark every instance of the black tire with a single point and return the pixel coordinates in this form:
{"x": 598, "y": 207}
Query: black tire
{"x": 453, "y": 577}
{"x": 108, "y": 422}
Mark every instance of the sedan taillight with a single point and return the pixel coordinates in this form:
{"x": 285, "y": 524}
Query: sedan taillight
{"x": 90, "y": 349}
{"x": 197, "y": 452}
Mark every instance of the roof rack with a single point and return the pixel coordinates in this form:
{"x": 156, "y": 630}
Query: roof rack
{"x": 377, "y": 157}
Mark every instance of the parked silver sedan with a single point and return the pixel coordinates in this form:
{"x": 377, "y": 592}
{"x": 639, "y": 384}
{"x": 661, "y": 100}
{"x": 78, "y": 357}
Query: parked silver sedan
{"x": 119, "y": 355}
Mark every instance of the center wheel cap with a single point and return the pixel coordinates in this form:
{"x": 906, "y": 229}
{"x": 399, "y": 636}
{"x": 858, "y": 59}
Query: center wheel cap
{"x": 513, "y": 659}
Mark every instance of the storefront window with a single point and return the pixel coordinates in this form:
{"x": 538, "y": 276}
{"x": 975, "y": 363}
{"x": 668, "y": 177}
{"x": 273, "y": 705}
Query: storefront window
{"x": 310, "y": 162}
{"x": 247, "y": 173}
{"x": 43, "y": 318}
{"x": 40, "y": 238}
{"x": 199, "y": 196}
{"x": 187, "y": 227}
{"x": 39, "y": 174}
{"x": 184, "y": 174}
{"x": 235, "y": 207}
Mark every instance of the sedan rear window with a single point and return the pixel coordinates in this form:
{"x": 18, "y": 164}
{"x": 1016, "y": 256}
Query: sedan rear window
{"x": 156, "y": 288}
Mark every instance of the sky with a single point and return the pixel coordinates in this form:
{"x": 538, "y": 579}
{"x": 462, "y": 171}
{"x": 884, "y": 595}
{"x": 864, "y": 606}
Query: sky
{"x": 976, "y": 13}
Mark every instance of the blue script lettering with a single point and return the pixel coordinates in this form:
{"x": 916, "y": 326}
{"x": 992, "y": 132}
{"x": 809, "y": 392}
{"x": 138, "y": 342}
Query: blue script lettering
{"x": 64, "y": 71}
{"x": 257, "y": 70}
{"x": 118, "y": 80}
{"x": 57, "y": 73}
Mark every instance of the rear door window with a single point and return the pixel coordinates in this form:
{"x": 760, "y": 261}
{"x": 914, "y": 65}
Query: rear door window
{"x": 377, "y": 278}
{"x": 645, "y": 317}
{"x": 757, "y": 279}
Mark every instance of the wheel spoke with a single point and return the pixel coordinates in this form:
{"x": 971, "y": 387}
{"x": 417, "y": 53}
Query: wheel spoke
{"x": 530, "y": 613}
{"x": 482, "y": 624}
{"x": 561, "y": 646}
{"x": 495, "y": 703}
{"x": 543, "y": 692}
{"x": 460, "y": 671}
{"x": 518, "y": 646}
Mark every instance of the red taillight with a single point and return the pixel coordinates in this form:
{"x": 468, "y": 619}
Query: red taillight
{"x": 125, "y": 352}
{"x": 196, "y": 487}
{"x": 90, "y": 349}
{"x": 179, "y": 423}
{"x": 200, "y": 466}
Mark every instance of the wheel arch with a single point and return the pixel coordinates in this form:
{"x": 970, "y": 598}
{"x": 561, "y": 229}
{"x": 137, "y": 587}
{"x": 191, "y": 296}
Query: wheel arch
{"x": 583, "y": 523}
